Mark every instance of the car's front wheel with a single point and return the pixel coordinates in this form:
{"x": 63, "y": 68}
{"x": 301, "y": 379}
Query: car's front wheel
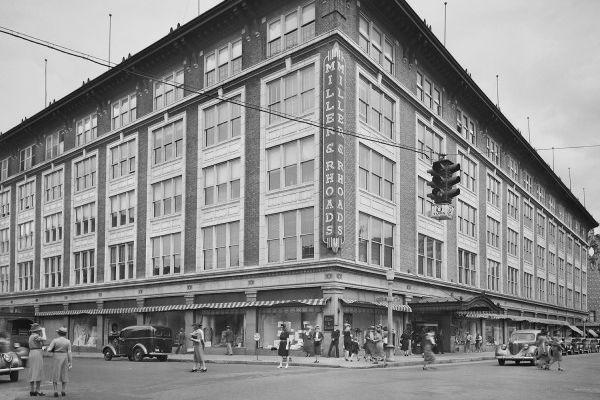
{"x": 501, "y": 362}
{"x": 138, "y": 354}
{"x": 108, "y": 355}
{"x": 14, "y": 376}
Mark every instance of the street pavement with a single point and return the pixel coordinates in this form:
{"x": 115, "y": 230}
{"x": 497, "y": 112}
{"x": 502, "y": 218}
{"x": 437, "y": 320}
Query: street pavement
{"x": 94, "y": 378}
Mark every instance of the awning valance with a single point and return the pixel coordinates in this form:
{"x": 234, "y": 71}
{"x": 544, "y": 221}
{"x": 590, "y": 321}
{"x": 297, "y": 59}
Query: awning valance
{"x": 481, "y": 314}
{"x": 184, "y": 307}
{"x": 576, "y": 329}
{"x": 593, "y": 333}
{"x": 381, "y": 304}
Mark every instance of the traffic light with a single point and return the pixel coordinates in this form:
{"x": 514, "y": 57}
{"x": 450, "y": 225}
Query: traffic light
{"x": 443, "y": 180}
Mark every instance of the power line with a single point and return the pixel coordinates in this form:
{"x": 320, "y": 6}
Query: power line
{"x": 104, "y": 63}
{"x": 569, "y": 147}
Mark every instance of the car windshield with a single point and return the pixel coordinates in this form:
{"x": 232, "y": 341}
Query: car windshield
{"x": 166, "y": 333}
{"x": 522, "y": 337}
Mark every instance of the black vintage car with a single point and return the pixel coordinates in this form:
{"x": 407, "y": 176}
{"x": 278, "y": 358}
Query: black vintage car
{"x": 137, "y": 342}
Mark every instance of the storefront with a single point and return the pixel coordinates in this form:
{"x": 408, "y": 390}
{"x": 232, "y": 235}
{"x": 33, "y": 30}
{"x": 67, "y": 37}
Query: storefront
{"x": 215, "y": 321}
{"x": 84, "y": 331}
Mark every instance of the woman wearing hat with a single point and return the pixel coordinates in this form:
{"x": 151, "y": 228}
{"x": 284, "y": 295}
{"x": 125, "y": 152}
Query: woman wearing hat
{"x": 197, "y": 338}
{"x": 284, "y": 346}
{"x": 61, "y": 347}
{"x": 36, "y": 360}
{"x": 428, "y": 343}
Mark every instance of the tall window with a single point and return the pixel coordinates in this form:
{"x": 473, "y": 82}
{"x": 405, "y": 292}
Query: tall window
{"x": 467, "y": 268}
{"x": 166, "y": 254}
{"x": 52, "y": 272}
{"x": 512, "y": 165}
{"x": 85, "y": 173}
{"x": 569, "y": 297}
{"x": 25, "y": 276}
{"x": 561, "y": 267}
{"x": 221, "y": 245}
{"x": 424, "y": 203}
{"x": 26, "y": 196}
{"x": 122, "y": 209}
{"x": 527, "y": 249}
{"x": 492, "y": 150}
{"x": 4, "y": 169}
{"x": 25, "y": 235}
{"x": 551, "y": 262}
{"x": 167, "y": 142}
{"x": 376, "y": 173}
{"x": 291, "y": 29}
{"x": 527, "y": 215}
{"x": 551, "y": 232}
{"x": 561, "y": 240}
{"x": 493, "y": 191}
{"x": 527, "y": 181}
{"x": 527, "y": 285}
{"x": 168, "y": 90}
{"x": 5, "y": 204}
{"x": 375, "y": 108}
{"x": 467, "y": 216}
{"x": 85, "y": 219}
{"x": 53, "y": 228}
{"x": 540, "y": 225}
{"x": 224, "y": 62}
{"x": 540, "y": 257}
{"x": 55, "y": 144}
{"x": 569, "y": 272}
{"x": 222, "y": 122}
{"x": 222, "y": 182}
{"x": 291, "y": 163}
{"x": 122, "y": 159}
{"x": 124, "y": 111}
{"x": 429, "y": 256}
{"x": 513, "y": 281}
{"x": 429, "y": 94}
{"x": 468, "y": 171}
{"x": 122, "y": 261}
{"x": 85, "y": 267}
{"x": 53, "y": 186}
{"x": 26, "y": 159}
{"x": 541, "y": 289}
{"x": 295, "y": 230}
{"x": 429, "y": 142}
{"x": 552, "y": 292}
{"x": 551, "y": 203}
{"x": 376, "y": 44}
{"x": 513, "y": 205}
{"x": 4, "y": 241}
{"x": 292, "y": 94}
{"x": 4, "y": 279}
{"x": 493, "y": 275}
{"x": 167, "y": 197}
{"x": 375, "y": 241}
{"x": 466, "y": 126}
{"x": 540, "y": 193}
{"x": 86, "y": 130}
{"x": 561, "y": 295}
{"x": 493, "y": 232}
{"x": 512, "y": 242}
{"x": 569, "y": 245}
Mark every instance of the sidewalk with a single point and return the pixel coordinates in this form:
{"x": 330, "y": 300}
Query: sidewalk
{"x": 325, "y": 362}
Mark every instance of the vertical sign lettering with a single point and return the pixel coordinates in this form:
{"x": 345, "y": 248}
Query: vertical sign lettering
{"x": 334, "y": 82}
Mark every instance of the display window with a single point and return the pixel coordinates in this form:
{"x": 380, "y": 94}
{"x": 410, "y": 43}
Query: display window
{"x": 84, "y": 331}
{"x": 296, "y": 322}
{"x": 215, "y": 325}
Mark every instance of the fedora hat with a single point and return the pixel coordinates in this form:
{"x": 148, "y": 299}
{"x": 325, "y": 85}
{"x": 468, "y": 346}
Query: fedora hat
{"x": 62, "y": 330}
{"x": 35, "y": 327}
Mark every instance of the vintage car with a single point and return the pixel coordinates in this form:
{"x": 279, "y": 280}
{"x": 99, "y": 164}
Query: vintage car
{"x": 10, "y": 364}
{"x": 138, "y": 342}
{"x": 520, "y": 348}
{"x": 576, "y": 346}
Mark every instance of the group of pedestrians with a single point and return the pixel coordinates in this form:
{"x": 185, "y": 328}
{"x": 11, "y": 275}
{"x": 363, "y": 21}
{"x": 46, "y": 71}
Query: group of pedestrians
{"x": 549, "y": 351}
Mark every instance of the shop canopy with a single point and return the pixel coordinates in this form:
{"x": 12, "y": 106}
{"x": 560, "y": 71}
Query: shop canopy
{"x": 576, "y": 329}
{"x": 184, "y": 307}
{"x": 379, "y": 304}
{"x": 593, "y": 333}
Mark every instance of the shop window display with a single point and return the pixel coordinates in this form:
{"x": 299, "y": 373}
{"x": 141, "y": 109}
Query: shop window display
{"x": 84, "y": 331}
{"x": 114, "y": 323}
{"x": 296, "y": 323}
{"x": 214, "y": 328}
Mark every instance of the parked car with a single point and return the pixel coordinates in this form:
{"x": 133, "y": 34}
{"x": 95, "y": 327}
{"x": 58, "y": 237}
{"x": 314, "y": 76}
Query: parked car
{"x": 138, "y": 342}
{"x": 576, "y": 346}
{"x": 566, "y": 342}
{"x": 10, "y": 362}
{"x": 520, "y": 348}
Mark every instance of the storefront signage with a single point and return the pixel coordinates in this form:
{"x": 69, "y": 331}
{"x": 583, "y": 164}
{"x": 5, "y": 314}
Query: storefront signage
{"x": 328, "y": 323}
{"x": 334, "y": 82}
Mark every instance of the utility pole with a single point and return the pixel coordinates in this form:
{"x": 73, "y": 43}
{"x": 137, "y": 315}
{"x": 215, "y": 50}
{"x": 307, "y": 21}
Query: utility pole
{"x": 497, "y": 94}
{"x": 584, "y": 197}
{"x": 569, "y": 178}
{"x": 528, "y": 131}
{"x": 445, "y": 3}
{"x": 45, "y": 82}
{"x": 109, "y": 36}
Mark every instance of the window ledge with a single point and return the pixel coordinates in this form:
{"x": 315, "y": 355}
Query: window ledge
{"x": 286, "y": 121}
{"x": 164, "y": 217}
{"x": 83, "y": 236}
{"x": 219, "y": 205}
{"x": 378, "y": 197}
{"x": 167, "y": 163}
{"x": 84, "y": 191}
{"x": 53, "y": 201}
{"x": 290, "y": 188}
{"x": 223, "y": 143}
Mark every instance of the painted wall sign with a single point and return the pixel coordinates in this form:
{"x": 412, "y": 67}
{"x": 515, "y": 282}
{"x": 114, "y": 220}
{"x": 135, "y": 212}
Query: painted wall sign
{"x": 334, "y": 83}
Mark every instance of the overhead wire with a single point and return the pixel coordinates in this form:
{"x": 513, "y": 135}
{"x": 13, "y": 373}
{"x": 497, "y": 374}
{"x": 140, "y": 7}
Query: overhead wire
{"x": 204, "y": 93}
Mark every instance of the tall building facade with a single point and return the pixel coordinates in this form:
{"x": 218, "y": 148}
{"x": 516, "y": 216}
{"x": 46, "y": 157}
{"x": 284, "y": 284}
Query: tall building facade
{"x": 267, "y": 163}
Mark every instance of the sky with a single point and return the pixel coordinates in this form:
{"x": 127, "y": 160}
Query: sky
{"x": 546, "y": 53}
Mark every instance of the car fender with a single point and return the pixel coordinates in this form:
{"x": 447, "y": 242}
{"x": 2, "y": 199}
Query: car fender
{"x": 111, "y": 348}
{"x": 141, "y": 346}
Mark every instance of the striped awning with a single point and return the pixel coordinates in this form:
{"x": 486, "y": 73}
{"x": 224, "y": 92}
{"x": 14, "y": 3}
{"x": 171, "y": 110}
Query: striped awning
{"x": 382, "y": 304}
{"x": 482, "y": 315}
{"x": 538, "y": 320}
{"x": 576, "y": 329}
{"x": 184, "y": 307}
{"x": 593, "y": 333}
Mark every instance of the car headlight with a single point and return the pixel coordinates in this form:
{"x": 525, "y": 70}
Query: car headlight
{"x": 503, "y": 347}
{"x": 525, "y": 347}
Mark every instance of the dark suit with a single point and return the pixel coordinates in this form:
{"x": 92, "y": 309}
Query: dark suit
{"x": 335, "y": 341}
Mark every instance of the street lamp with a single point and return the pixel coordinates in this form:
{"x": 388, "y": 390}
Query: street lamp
{"x": 389, "y": 276}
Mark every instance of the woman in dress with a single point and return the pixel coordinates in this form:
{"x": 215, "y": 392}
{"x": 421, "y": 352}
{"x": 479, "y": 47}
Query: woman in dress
{"x": 197, "y": 338}
{"x": 36, "y": 360}
{"x": 284, "y": 346}
{"x": 347, "y": 342}
{"x": 428, "y": 343}
{"x": 61, "y": 347}
{"x": 556, "y": 352}
{"x": 404, "y": 341}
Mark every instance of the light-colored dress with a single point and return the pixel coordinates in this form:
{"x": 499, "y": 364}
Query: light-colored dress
{"x": 61, "y": 347}
{"x": 36, "y": 360}
{"x": 198, "y": 348}
{"x": 428, "y": 343}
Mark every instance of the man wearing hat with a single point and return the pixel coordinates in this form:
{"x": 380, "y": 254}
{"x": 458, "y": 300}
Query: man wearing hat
{"x": 229, "y": 340}
{"x": 36, "y": 360}
{"x": 197, "y": 338}
{"x": 317, "y": 338}
{"x": 61, "y": 347}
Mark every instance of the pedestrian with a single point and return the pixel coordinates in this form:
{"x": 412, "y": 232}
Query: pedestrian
{"x": 180, "y": 342}
{"x": 36, "y": 360}
{"x": 284, "y": 347}
{"x": 307, "y": 344}
{"x": 348, "y": 343}
{"x": 394, "y": 341}
{"x": 378, "y": 341}
{"x": 478, "y": 340}
{"x": 334, "y": 345}
{"x": 369, "y": 344}
{"x": 63, "y": 361}
{"x": 405, "y": 341}
{"x": 428, "y": 343}
{"x": 229, "y": 340}
{"x": 542, "y": 352}
{"x": 197, "y": 338}
{"x": 439, "y": 342}
{"x": 317, "y": 338}
{"x": 468, "y": 340}
{"x": 556, "y": 348}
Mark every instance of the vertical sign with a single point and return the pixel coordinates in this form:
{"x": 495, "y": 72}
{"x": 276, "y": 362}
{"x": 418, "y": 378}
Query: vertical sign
{"x": 334, "y": 82}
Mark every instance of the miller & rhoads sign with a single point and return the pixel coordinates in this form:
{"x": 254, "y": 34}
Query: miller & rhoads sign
{"x": 334, "y": 82}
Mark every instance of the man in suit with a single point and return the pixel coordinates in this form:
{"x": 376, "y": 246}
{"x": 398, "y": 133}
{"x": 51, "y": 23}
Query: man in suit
{"x": 335, "y": 341}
